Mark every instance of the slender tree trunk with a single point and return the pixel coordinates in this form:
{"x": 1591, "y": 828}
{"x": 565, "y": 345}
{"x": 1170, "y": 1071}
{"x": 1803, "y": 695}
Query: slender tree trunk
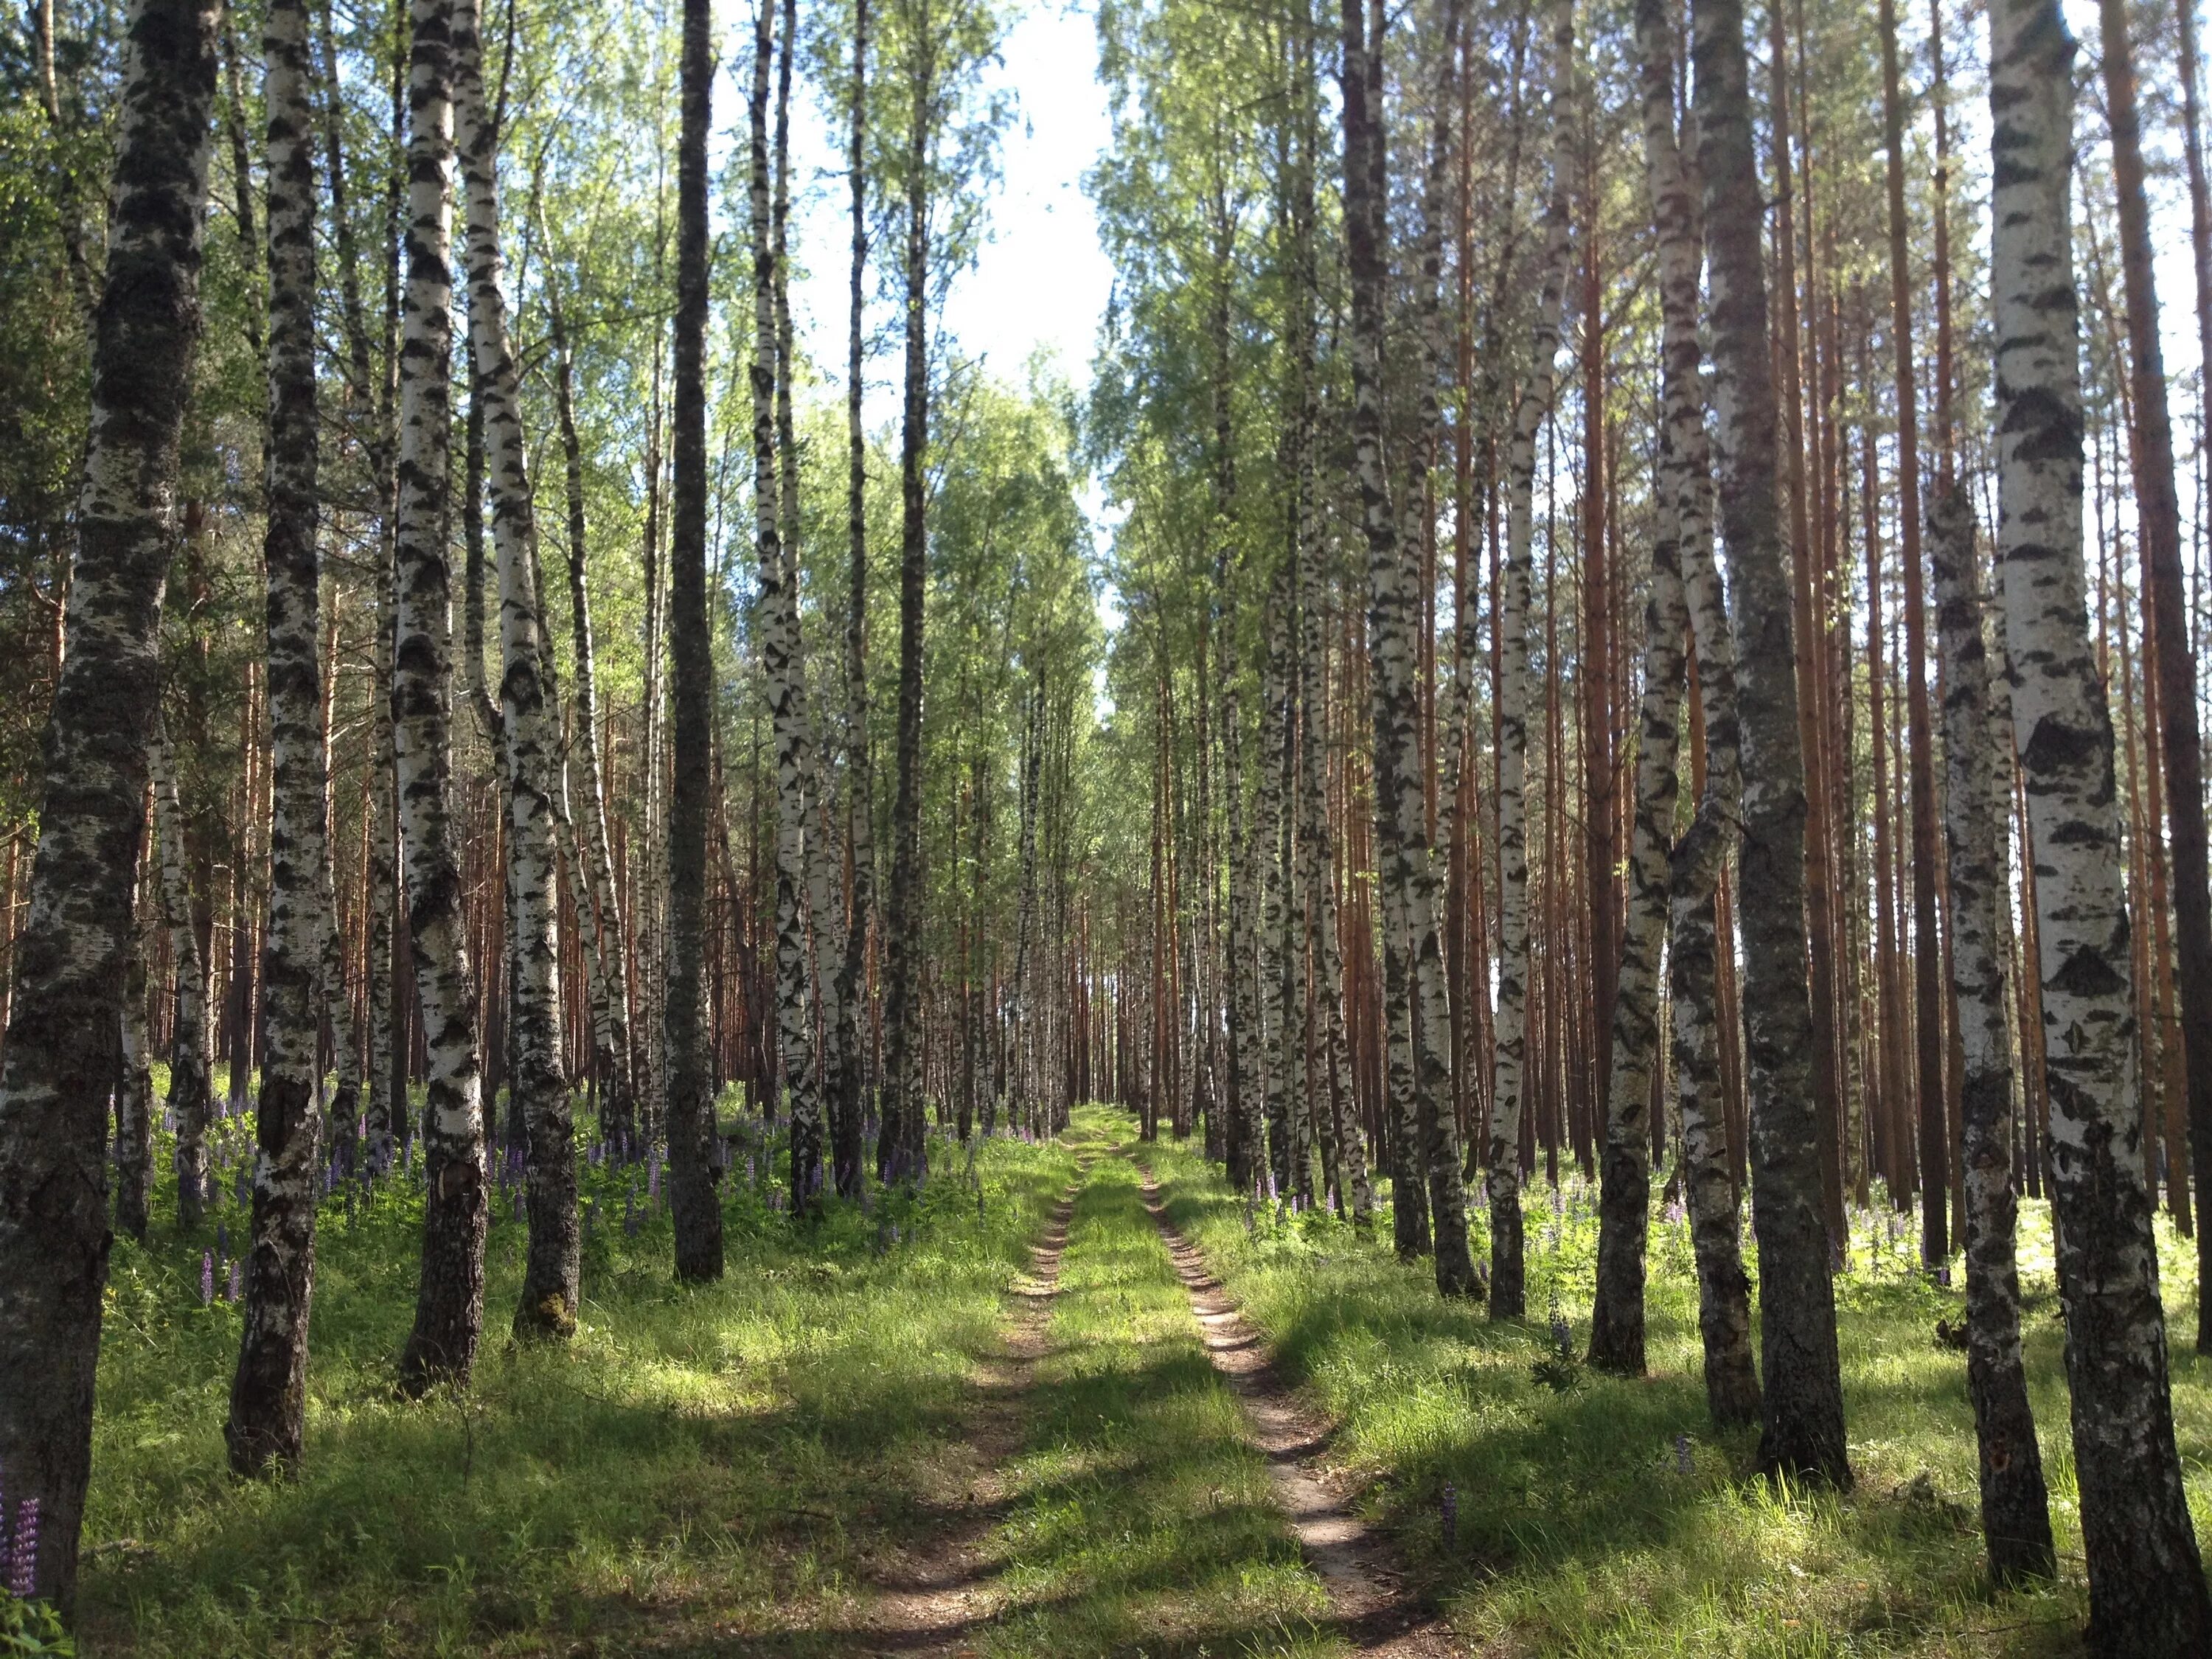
{"x": 268, "y": 1391}
{"x": 190, "y": 1092}
{"x": 598, "y": 916}
{"x": 1510, "y": 1088}
{"x": 2147, "y": 1592}
{"x": 2015, "y": 1509}
{"x": 860, "y": 794}
{"x": 1928, "y": 994}
{"x": 134, "y": 1077}
{"x": 899, "y": 1151}
{"x": 1803, "y": 1428}
{"x": 693, "y": 1202}
{"x": 1408, "y": 873}
{"x": 1625, "y": 1199}
{"x": 2158, "y": 523}
{"x": 69, "y": 959}
{"x": 537, "y": 1082}
{"x": 449, "y": 1309}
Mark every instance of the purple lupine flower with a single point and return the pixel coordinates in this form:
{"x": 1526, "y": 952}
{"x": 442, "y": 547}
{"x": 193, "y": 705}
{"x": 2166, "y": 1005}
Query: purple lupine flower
{"x": 1674, "y": 1211}
{"x": 23, "y": 1555}
{"x": 207, "y": 1278}
{"x": 1683, "y": 1465}
{"x": 521, "y": 1211}
{"x": 1449, "y": 1508}
{"x": 1563, "y": 1335}
{"x": 237, "y": 1274}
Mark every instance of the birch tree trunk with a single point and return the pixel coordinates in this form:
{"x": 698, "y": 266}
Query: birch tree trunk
{"x": 598, "y": 916}
{"x": 1684, "y": 488}
{"x": 778, "y": 614}
{"x": 2147, "y": 1592}
{"x": 846, "y": 1151}
{"x": 899, "y": 1150}
{"x": 134, "y": 1077}
{"x": 449, "y": 1306}
{"x": 60, "y": 1049}
{"x": 537, "y": 1084}
{"x": 268, "y": 1391}
{"x": 190, "y": 1092}
{"x": 1625, "y": 1199}
{"x": 1508, "y": 1090}
{"x": 2015, "y": 1509}
{"x": 1803, "y": 1429}
{"x": 821, "y": 918}
{"x": 695, "y": 1204}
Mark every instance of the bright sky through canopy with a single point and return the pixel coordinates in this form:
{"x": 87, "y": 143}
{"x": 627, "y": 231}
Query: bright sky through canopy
{"x": 1042, "y": 281}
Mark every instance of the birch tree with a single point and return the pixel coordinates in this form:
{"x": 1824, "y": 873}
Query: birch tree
{"x": 268, "y": 1391}
{"x": 61, "y": 1050}
{"x": 2147, "y": 1592}
{"x": 449, "y": 1305}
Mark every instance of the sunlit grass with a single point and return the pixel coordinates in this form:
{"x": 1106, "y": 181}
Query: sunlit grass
{"x": 697, "y": 1466}
{"x": 1578, "y": 1531}
{"x": 1142, "y": 1522}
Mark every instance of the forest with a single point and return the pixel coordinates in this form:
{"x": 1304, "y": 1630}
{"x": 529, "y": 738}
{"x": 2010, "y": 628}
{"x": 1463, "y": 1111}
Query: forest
{"x": 1494, "y": 938}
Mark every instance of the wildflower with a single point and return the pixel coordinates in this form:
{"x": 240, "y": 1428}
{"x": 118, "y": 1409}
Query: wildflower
{"x": 1683, "y": 1465}
{"x": 207, "y": 1277}
{"x": 23, "y": 1555}
{"x": 237, "y": 1273}
{"x": 1449, "y": 1507}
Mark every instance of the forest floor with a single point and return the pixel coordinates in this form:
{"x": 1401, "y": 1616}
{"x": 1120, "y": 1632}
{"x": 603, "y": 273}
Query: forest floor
{"x": 1047, "y": 1408}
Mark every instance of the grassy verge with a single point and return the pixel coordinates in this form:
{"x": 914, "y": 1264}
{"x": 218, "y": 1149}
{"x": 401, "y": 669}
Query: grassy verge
{"x": 1142, "y": 1521}
{"x": 697, "y": 1466}
{"x": 1608, "y": 1518}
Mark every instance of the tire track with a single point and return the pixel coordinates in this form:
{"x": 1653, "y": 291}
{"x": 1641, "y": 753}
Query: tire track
{"x": 1375, "y": 1611}
{"x": 933, "y": 1598}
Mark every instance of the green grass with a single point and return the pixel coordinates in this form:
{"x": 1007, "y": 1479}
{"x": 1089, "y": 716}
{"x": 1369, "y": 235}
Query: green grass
{"x": 722, "y": 1470}
{"x": 699, "y": 1467}
{"x": 1578, "y": 1535}
{"x": 1142, "y": 1522}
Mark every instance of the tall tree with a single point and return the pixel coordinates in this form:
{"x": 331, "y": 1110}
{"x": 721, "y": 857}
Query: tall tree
{"x": 899, "y": 1150}
{"x": 1804, "y": 1426}
{"x": 2016, "y": 1509}
{"x": 61, "y": 1050}
{"x": 1930, "y": 997}
{"x": 2147, "y": 1592}
{"x": 268, "y": 1391}
{"x": 449, "y": 1305}
{"x": 1510, "y": 1089}
{"x": 2158, "y": 520}
{"x": 846, "y": 1153}
{"x": 537, "y": 1086}
{"x": 693, "y": 1200}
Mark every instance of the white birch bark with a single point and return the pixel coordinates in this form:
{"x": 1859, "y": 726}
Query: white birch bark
{"x": 2147, "y": 1592}
{"x": 449, "y": 1305}
{"x": 1508, "y": 1268}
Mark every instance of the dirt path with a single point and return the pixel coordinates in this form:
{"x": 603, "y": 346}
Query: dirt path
{"x": 930, "y": 1599}
{"x": 1375, "y": 1611}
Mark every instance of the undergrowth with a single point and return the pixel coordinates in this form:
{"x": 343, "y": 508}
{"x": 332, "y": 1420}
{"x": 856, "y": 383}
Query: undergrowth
{"x": 699, "y": 1466}
{"x": 1601, "y": 1517}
